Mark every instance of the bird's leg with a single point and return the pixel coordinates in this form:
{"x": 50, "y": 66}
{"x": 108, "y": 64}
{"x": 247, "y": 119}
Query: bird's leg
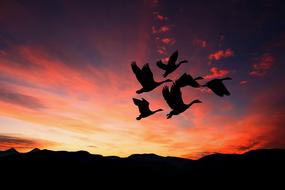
{"x": 168, "y": 116}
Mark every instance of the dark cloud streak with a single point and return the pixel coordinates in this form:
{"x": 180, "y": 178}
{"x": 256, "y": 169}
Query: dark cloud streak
{"x": 13, "y": 97}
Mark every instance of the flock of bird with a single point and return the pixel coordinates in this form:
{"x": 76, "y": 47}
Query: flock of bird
{"x": 172, "y": 95}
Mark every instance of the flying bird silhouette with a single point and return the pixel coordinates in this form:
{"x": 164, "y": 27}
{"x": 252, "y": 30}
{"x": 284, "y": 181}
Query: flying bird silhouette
{"x": 174, "y": 100}
{"x": 170, "y": 66}
{"x": 145, "y": 77}
{"x": 143, "y": 106}
{"x": 218, "y": 87}
{"x": 187, "y": 79}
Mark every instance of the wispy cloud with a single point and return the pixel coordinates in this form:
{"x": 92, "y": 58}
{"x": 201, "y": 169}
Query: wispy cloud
{"x": 221, "y": 54}
{"x": 13, "y": 97}
{"x": 264, "y": 63}
{"x": 215, "y": 72}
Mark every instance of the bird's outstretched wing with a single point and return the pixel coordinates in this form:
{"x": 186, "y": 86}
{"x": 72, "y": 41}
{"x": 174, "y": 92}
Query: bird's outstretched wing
{"x": 173, "y": 58}
{"x": 137, "y": 102}
{"x": 143, "y": 105}
{"x": 176, "y": 95}
{"x": 145, "y": 102}
{"x": 216, "y": 86}
{"x": 144, "y": 75}
{"x": 147, "y": 74}
{"x": 161, "y": 65}
{"x": 187, "y": 79}
{"x": 138, "y": 72}
{"x": 182, "y": 80}
{"x": 167, "y": 97}
{"x": 217, "y": 91}
{"x": 225, "y": 90}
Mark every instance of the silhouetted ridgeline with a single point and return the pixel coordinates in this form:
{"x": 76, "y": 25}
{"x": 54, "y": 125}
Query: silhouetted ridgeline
{"x": 266, "y": 164}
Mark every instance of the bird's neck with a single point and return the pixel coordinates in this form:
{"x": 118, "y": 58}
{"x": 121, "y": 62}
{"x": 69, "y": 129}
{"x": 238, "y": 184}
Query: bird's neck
{"x": 226, "y": 78}
{"x": 190, "y": 104}
{"x": 184, "y": 61}
{"x": 158, "y": 110}
{"x": 179, "y": 63}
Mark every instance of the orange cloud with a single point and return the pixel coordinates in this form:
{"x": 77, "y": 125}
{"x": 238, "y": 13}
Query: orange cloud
{"x": 221, "y": 54}
{"x": 265, "y": 62}
{"x": 215, "y": 72}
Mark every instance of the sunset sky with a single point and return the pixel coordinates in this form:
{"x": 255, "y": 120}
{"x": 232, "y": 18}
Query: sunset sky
{"x": 66, "y": 82}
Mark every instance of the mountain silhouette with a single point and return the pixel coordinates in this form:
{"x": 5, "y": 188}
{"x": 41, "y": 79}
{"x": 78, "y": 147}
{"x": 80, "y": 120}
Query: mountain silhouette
{"x": 149, "y": 168}
{"x": 35, "y": 150}
{"x": 8, "y": 152}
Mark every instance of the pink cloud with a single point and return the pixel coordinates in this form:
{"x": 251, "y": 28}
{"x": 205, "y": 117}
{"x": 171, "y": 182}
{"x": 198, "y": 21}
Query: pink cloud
{"x": 168, "y": 41}
{"x": 221, "y": 54}
{"x": 215, "y": 72}
{"x": 265, "y": 62}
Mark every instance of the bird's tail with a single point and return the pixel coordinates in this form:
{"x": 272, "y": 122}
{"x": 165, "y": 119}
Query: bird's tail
{"x": 139, "y": 118}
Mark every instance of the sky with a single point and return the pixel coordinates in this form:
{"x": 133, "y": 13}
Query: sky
{"x": 66, "y": 82}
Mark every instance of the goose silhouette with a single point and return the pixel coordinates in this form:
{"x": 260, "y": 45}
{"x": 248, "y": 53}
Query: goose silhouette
{"x": 188, "y": 80}
{"x": 170, "y": 66}
{"x": 218, "y": 87}
{"x": 174, "y": 100}
{"x": 143, "y": 106}
{"x": 145, "y": 78}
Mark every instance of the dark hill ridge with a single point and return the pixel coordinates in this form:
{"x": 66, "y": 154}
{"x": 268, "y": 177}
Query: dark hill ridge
{"x": 40, "y": 164}
{"x": 8, "y": 152}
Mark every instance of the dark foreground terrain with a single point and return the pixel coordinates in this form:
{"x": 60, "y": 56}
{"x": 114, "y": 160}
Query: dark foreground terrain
{"x": 258, "y": 166}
